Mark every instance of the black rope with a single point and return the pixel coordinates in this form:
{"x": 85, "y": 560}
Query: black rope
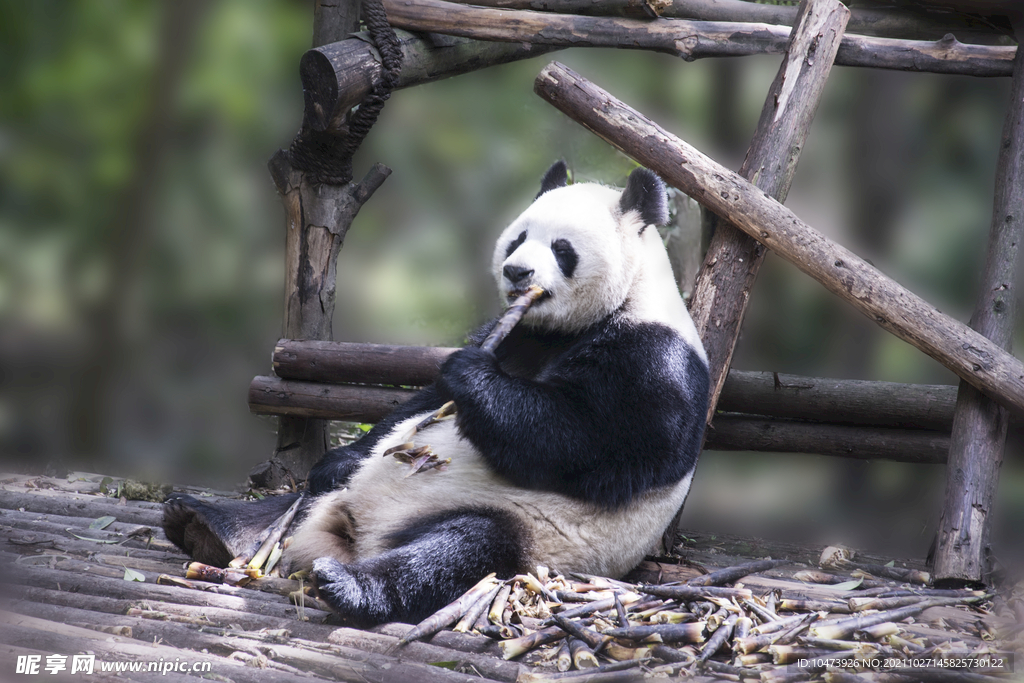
{"x": 327, "y": 157}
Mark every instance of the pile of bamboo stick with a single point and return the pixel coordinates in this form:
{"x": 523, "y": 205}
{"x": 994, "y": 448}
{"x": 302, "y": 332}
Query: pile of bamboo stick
{"x": 592, "y": 629}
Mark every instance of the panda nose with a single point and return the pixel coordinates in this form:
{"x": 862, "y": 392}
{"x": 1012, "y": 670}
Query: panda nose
{"x": 516, "y": 274}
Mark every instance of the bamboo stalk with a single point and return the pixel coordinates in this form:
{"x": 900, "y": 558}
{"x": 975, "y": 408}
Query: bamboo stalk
{"x": 582, "y": 656}
{"x": 730, "y": 574}
{"x": 964, "y": 351}
{"x": 449, "y": 613}
{"x": 270, "y": 538}
{"x": 661, "y": 633}
{"x": 718, "y": 639}
{"x": 511, "y": 317}
{"x": 695, "y": 592}
{"x": 592, "y": 638}
{"x": 481, "y": 606}
{"x": 839, "y": 629}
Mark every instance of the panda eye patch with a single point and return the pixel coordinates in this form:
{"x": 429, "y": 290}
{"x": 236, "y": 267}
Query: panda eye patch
{"x": 515, "y": 244}
{"x": 565, "y": 256}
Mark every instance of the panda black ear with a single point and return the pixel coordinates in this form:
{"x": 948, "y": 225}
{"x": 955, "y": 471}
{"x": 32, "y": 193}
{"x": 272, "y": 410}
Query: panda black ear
{"x": 556, "y": 176}
{"x": 645, "y": 193}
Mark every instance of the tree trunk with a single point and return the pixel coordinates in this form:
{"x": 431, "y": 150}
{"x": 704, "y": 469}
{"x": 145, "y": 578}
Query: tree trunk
{"x": 317, "y": 218}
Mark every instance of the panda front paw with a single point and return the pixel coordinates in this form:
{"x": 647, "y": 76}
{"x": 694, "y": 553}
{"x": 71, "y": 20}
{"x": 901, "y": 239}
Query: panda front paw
{"x": 465, "y": 369}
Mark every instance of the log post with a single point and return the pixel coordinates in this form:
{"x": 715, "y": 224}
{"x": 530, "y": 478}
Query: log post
{"x": 979, "y": 423}
{"x": 317, "y": 216}
{"x": 968, "y": 354}
{"x": 733, "y": 259}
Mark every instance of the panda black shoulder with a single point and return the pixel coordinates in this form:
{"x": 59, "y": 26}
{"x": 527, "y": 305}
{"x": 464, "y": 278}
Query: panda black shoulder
{"x": 618, "y": 412}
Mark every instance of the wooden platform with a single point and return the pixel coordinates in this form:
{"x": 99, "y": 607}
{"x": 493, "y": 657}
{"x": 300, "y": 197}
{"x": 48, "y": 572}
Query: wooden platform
{"x": 66, "y": 592}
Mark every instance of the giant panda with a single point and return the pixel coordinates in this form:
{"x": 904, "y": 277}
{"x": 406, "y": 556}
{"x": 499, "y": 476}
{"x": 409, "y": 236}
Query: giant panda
{"x": 574, "y": 442}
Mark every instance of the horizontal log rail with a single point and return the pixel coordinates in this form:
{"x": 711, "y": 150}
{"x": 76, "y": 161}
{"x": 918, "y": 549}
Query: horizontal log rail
{"x": 338, "y": 76}
{"x": 352, "y": 363}
{"x": 730, "y": 432}
{"x": 843, "y": 401}
{"x": 349, "y": 402}
{"x": 691, "y": 39}
{"x": 915, "y": 23}
{"x": 893, "y": 307}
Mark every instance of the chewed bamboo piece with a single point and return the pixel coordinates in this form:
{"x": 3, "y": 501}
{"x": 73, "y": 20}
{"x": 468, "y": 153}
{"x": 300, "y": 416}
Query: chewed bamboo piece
{"x": 422, "y": 458}
{"x": 450, "y": 613}
{"x": 696, "y": 630}
{"x": 513, "y": 314}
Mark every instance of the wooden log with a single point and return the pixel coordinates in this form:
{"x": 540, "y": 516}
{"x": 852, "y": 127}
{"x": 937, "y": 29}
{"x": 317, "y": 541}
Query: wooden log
{"x": 254, "y": 602}
{"x": 731, "y": 432}
{"x": 889, "y": 22}
{"x": 979, "y": 425}
{"x": 842, "y": 401}
{"x": 734, "y": 258}
{"x": 56, "y": 638}
{"x": 272, "y": 396}
{"x": 342, "y": 362}
{"x": 79, "y": 505}
{"x": 896, "y": 309}
{"x": 317, "y": 219}
{"x": 690, "y": 39}
{"x": 337, "y": 76}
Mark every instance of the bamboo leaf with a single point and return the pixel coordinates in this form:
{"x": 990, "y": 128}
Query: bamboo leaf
{"x": 445, "y": 665}
{"x": 102, "y": 522}
{"x": 94, "y": 540}
{"x": 890, "y": 563}
{"x": 844, "y": 586}
{"x": 132, "y": 575}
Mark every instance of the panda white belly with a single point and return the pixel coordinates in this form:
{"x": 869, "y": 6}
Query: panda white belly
{"x": 565, "y": 533}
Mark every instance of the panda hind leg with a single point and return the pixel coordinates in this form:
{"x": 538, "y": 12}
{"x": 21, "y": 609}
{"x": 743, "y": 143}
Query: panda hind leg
{"x": 430, "y": 564}
{"x": 215, "y": 534}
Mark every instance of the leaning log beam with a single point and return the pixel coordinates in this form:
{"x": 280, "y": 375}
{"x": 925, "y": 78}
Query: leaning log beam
{"x": 968, "y": 354}
{"x": 690, "y": 39}
{"x": 890, "y": 22}
{"x": 729, "y": 432}
{"x": 979, "y": 427}
{"x": 337, "y": 76}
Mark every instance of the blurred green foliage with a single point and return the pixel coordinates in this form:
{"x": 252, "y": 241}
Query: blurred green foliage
{"x": 169, "y": 281}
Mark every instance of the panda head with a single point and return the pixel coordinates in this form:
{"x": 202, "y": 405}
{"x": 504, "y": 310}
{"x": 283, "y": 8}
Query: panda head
{"x": 583, "y": 244}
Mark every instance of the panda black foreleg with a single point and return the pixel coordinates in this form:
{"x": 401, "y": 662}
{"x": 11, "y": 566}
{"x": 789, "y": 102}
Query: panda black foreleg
{"x": 432, "y": 562}
{"x": 217, "y": 533}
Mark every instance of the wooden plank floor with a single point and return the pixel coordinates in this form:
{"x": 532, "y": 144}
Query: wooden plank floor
{"x": 65, "y": 593}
